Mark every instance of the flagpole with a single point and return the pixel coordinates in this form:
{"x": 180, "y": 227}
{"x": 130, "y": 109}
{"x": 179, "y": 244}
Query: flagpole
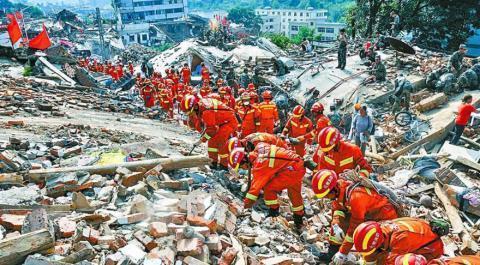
{"x": 23, "y": 21}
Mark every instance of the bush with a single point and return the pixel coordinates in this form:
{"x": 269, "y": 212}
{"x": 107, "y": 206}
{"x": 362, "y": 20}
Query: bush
{"x": 27, "y": 71}
{"x": 280, "y": 40}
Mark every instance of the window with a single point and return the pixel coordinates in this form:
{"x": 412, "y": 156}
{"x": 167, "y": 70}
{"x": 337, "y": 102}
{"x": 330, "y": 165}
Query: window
{"x": 330, "y": 30}
{"x": 289, "y": 20}
{"x": 301, "y": 14}
{"x": 307, "y": 14}
{"x": 294, "y": 28}
{"x": 321, "y": 30}
{"x": 294, "y": 14}
{"x": 294, "y": 19}
{"x": 283, "y": 20}
{"x": 271, "y": 27}
{"x": 289, "y": 13}
{"x": 144, "y": 37}
{"x": 131, "y": 38}
{"x": 311, "y": 23}
{"x": 271, "y": 20}
{"x": 284, "y": 13}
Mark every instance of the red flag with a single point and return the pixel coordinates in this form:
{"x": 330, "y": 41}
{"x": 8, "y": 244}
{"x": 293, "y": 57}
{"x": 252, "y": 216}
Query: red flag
{"x": 14, "y": 31}
{"x": 41, "y": 41}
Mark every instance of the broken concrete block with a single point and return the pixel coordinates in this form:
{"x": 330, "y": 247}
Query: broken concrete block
{"x": 167, "y": 254}
{"x": 35, "y": 220}
{"x": 200, "y": 221}
{"x": 189, "y": 247}
{"x": 158, "y": 229}
{"x": 132, "y": 179}
{"x": 193, "y": 261}
{"x": 228, "y": 256}
{"x": 91, "y": 235}
{"x": 140, "y": 204}
{"x": 106, "y": 240}
{"x": 123, "y": 171}
{"x": 145, "y": 239}
{"x": 247, "y": 240}
{"x": 262, "y": 240}
{"x": 66, "y": 227}
{"x": 134, "y": 253}
{"x": 132, "y": 218}
{"x": 431, "y": 102}
{"x": 279, "y": 260}
{"x": 118, "y": 243}
{"x": 213, "y": 243}
{"x": 12, "y": 221}
{"x": 114, "y": 259}
{"x": 80, "y": 202}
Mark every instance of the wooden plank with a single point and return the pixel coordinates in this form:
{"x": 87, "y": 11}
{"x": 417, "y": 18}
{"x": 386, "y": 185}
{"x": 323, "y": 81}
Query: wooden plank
{"x": 466, "y": 162}
{"x": 15, "y": 249}
{"x": 56, "y": 71}
{"x": 469, "y": 246}
{"x": 421, "y": 189}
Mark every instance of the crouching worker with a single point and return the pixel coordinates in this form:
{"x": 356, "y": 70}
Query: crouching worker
{"x": 273, "y": 169}
{"x": 352, "y": 204}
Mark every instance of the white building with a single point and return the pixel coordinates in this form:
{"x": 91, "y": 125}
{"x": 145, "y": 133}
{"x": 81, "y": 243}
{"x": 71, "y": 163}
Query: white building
{"x": 150, "y": 10}
{"x": 289, "y": 21}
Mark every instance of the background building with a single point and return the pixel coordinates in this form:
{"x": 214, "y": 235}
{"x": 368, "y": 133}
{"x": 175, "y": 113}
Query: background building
{"x": 289, "y": 21}
{"x": 150, "y": 10}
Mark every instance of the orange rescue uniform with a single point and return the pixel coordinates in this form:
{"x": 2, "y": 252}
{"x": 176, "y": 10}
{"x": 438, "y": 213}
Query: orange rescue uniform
{"x": 260, "y": 137}
{"x": 343, "y": 157}
{"x": 186, "y": 75}
{"x": 322, "y": 123}
{"x": 166, "y": 101}
{"x": 205, "y": 74}
{"x": 275, "y": 169}
{"x": 296, "y": 127}
{"x": 249, "y": 119}
{"x": 268, "y": 116}
{"x": 406, "y": 235}
{"x": 355, "y": 205}
{"x": 461, "y": 260}
{"x": 220, "y": 124}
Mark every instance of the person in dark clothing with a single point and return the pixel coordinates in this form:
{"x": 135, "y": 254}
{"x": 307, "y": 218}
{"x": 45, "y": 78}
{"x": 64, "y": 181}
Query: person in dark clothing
{"x": 309, "y": 103}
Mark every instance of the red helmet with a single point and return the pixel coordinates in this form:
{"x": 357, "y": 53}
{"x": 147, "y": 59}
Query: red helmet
{"x": 188, "y": 103}
{"x": 253, "y": 95}
{"x": 328, "y": 138}
{"x": 233, "y": 143}
{"x": 267, "y": 94}
{"x": 228, "y": 89}
{"x": 368, "y": 237}
{"x": 323, "y": 182}
{"x": 222, "y": 90}
{"x": 411, "y": 259}
{"x": 251, "y": 87}
{"x": 298, "y": 111}
{"x": 317, "y": 107}
{"x": 236, "y": 157}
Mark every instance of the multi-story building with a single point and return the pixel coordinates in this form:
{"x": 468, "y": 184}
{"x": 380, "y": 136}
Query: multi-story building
{"x": 289, "y": 21}
{"x": 150, "y": 10}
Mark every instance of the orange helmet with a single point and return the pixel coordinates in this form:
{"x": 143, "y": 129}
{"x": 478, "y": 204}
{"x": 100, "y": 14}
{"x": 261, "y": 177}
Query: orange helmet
{"x": 323, "y": 182}
{"x": 317, "y": 107}
{"x": 411, "y": 259}
{"x": 267, "y": 94}
{"x": 233, "y": 143}
{"x": 368, "y": 237}
{"x": 251, "y": 87}
{"x": 222, "y": 90}
{"x": 328, "y": 138}
{"x": 188, "y": 103}
{"x": 219, "y": 82}
{"x": 298, "y": 111}
{"x": 245, "y": 96}
{"x": 236, "y": 158}
{"x": 253, "y": 95}
{"x": 357, "y": 106}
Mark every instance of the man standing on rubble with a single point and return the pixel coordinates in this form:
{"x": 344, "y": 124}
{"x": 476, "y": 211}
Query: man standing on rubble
{"x": 352, "y": 204}
{"x": 297, "y": 127}
{"x": 383, "y": 242}
{"x": 273, "y": 170}
{"x": 310, "y": 101}
{"x": 219, "y": 123}
{"x": 268, "y": 113}
{"x": 342, "y": 49}
{"x": 362, "y": 126}
{"x": 186, "y": 74}
{"x": 455, "y": 63}
{"x": 205, "y": 73}
{"x": 249, "y": 116}
{"x": 465, "y": 111}
{"x": 335, "y": 154}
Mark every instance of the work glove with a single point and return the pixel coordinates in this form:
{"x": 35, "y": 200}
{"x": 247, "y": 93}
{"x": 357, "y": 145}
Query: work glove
{"x": 247, "y": 203}
{"x": 339, "y": 259}
{"x": 294, "y": 141}
{"x": 273, "y": 212}
{"x": 298, "y": 221}
{"x": 337, "y": 233}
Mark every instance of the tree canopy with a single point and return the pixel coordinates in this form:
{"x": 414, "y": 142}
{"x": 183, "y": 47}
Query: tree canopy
{"x": 245, "y": 16}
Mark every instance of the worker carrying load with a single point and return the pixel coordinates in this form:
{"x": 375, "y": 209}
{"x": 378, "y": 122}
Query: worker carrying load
{"x": 273, "y": 170}
{"x": 352, "y": 204}
{"x": 268, "y": 113}
{"x": 297, "y": 127}
{"x": 252, "y": 140}
{"x": 335, "y": 154}
{"x": 249, "y": 116}
{"x": 382, "y": 242}
{"x": 219, "y": 123}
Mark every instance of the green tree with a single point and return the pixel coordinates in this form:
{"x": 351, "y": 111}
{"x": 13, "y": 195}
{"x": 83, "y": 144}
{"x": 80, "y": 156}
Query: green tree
{"x": 245, "y": 16}
{"x": 305, "y": 33}
{"x": 280, "y": 40}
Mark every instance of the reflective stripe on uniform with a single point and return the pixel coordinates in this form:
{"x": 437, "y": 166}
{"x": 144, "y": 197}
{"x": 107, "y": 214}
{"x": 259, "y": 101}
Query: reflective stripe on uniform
{"x": 273, "y": 151}
{"x": 329, "y": 160}
{"x": 364, "y": 171}
{"x": 410, "y": 228}
{"x": 212, "y": 150}
{"x": 223, "y": 156}
{"x": 466, "y": 262}
{"x": 339, "y": 213}
{"x": 349, "y": 239}
{"x": 251, "y": 197}
{"x": 334, "y": 240}
{"x": 368, "y": 262}
{"x": 215, "y": 105}
{"x": 207, "y": 136}
{"x": 294, "y": 123}
{"x": 298, "y": 208}
{"x": 271, "y": 202}
{"x": 346, "y": 161}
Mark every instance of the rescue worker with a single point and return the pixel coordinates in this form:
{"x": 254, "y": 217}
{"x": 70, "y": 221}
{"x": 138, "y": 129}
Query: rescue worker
{"x": 249, "y": 116}
{"x": 321, "y": 120}
{"x": 205, "y": 73}
{"x": 297, "y": 127}
{"x": 225, "y": 97}
{"x": 252, "y": 140}
{"x": 130, "y": 67}
{"x": 335, "y": 154}
{"x": 268, "y": 113}
{"x": 352, "y": 205}
{"x": 186, "y": 74}
{"x": 219, "y": 122}
{"x": 460, "y": 260}
{"x": 120, "y": 70}
{"x": 205, "y": 90}
{"x": 273, "y": 170}
{"x": 401, "y": 94}
{"x": 147, "y": 94}
{"x": 411, "y": 259}
{"x": 166, "y": 101}
{"x": 342, "y": 50}
{"x": 253, "y": 98}
{"x": 382, "y": 243}
{"x": 455, "y": 63}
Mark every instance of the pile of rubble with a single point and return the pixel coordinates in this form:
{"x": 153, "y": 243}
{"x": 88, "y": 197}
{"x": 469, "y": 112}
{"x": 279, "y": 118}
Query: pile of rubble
{"x": 137, "y": 53}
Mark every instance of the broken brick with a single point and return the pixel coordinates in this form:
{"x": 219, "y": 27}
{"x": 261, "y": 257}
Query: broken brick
{"x": 145, "y": 239}
{"x": 12, "y": 221}
{"x": 158, "y": 229}
{"x": 200, "y": 221}
{"x": 66, "y": 227}
{"x": 193, "y": 261}
{"x": 189, "y": 247}
{"x": 91, "y": 235}
{"x": 114, "y": 259}
{"x": 118, "y": 243}
{"x": 131, "y": 218}
{"x": 132, "y": 179}
{"x": 16, "y": 123}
